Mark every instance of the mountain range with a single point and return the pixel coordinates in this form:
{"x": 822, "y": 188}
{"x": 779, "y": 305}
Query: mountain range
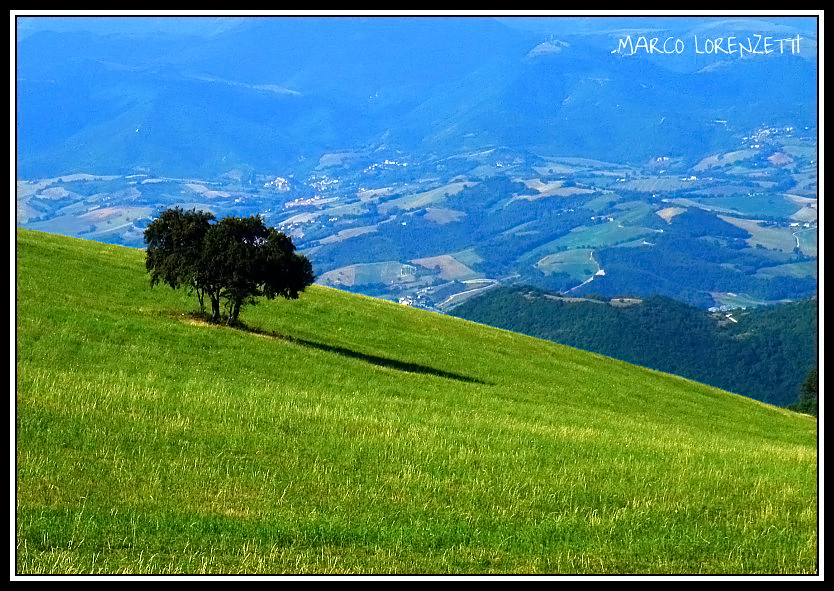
{"x": 268, "y": 92}
{"x": 425, "y": 159}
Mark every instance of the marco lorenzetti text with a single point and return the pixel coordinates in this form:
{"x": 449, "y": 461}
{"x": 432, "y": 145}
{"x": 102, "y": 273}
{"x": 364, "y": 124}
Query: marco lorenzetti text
{"x": 737, "y": 46}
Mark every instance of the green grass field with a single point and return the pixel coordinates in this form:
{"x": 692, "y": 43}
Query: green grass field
{"x": 583, "y": 239}
{"x": 579, "y": 263}
{"x": 425, "y": 198}
{"x": 344, "y": 434}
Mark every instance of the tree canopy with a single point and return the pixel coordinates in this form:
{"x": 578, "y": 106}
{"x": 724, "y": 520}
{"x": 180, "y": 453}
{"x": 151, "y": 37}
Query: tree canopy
{"x": 233, "y": 260}
{"x": 808, "y": 395}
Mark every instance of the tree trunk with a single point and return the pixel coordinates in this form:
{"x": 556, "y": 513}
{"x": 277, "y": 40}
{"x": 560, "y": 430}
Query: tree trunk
{"x": 234, "y": 312}
{"x": 200, "y": 299}
{"x": 215, "y": 307}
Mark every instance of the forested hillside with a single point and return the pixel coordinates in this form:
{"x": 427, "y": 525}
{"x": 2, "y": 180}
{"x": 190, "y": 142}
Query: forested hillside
{"x": 764, "y": 353}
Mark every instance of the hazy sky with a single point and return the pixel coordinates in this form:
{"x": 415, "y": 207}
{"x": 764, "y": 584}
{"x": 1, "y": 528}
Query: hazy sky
{"x": 198, "y": 23}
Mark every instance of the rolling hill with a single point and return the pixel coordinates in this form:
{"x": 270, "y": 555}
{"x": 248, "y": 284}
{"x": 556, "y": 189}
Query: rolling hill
{"x": 765, "y": 353}
{"x": 344, "y": 434}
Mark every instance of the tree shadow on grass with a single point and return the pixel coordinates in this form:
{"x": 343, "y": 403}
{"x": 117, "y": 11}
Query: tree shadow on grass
{"x": 380, "y": 361}
{"x": 377, "y": 360}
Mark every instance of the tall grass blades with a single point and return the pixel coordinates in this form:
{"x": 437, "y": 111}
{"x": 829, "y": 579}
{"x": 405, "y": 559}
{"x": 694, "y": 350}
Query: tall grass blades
{"x": 344, "y": 434}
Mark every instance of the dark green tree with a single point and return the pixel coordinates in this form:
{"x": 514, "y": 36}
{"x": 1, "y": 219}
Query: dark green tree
{"x": 808, "y": 395}
{"x": 235, "y": 260}
{"x": 174, "y": 249}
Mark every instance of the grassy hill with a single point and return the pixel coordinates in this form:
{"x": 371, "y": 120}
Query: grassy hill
{"x": 764, "y": 353}
{"x": 344, "y": 434}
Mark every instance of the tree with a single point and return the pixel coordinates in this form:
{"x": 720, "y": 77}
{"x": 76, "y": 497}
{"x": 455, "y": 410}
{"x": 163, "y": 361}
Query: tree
{"x": 174, "y": 248}
{"x": 234, "y": 260}
{"x": 808, "y": 395}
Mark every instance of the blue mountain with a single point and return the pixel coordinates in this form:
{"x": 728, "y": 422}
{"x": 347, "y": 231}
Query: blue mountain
{"x": 267, "y": 93}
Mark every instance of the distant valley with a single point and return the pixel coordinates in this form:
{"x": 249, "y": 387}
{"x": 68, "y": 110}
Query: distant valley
{"x": 737, "y": 228}
{"x": 431, "y": 173}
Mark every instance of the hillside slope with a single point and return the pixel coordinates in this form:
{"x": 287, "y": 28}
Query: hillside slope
{"x": 341, "y": 433}
{"x": 763, "y": 353}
